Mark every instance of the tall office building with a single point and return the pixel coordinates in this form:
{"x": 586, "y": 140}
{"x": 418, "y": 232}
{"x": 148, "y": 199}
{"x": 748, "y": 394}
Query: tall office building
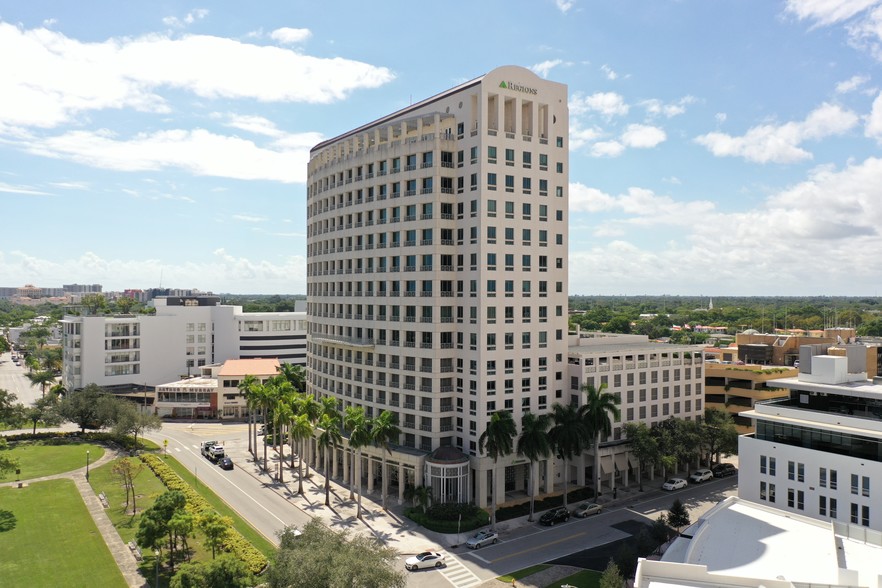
{"x": 437, "y": 273}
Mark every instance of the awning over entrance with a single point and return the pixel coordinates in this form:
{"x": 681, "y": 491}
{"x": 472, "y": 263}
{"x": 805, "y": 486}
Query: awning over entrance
{"x": 606, "y": 465}
{"x": 621, "y": 460}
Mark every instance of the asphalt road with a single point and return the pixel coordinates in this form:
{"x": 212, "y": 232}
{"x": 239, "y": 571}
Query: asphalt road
{"x": 13, "y": 379}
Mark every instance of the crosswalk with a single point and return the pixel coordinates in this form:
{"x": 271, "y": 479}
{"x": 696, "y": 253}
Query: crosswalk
{"x": 457, "y": 574}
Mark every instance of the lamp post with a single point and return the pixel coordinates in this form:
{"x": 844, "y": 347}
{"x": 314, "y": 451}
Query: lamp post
{"x": 156, "y": 554}
{"x": 87, "y": 465}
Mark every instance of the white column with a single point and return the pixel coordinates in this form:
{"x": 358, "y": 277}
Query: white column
{"x": 400, "y": 483}
{"x": 370, "y": 472}
{"x": 499, "y": 483}
{"x": 481, "y": 490}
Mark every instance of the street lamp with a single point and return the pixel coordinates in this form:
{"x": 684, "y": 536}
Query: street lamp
{"x": 87, "y": 465}
{"x": 156, "y": 554}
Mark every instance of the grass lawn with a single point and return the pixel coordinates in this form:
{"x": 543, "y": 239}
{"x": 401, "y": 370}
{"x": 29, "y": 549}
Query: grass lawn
{"x": 584, "y": 579}
{"x": 523, "y": 573}
{"x": 250, "y": 533}
{"x": 48, "y": 538}
{"x": 47, "y": 457}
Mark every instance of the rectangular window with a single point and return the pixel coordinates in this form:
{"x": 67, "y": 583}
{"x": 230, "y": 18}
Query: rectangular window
{"x": 800, "y": 500}
{"x": 822, "y": 477}
{"x": 800, "y": 472}
{"x": 833, "y": 512}
{"x": 833, "y": 480}
{"x": 854, "y": 513}
{"x": 865, "y": 486}
{"x": 763, "y": 468}
{"x": 791, "y": 498}
{"x": 763, "y": 491}
{"x": 854, "y": 485}
{"x": 772, "y": 466}
{"x": 822, "y": 506}
{"x": 865, "y": 516}
{"x": 771, "y": 492}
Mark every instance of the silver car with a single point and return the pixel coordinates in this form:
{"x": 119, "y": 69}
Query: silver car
{"x": 482, "y": 538}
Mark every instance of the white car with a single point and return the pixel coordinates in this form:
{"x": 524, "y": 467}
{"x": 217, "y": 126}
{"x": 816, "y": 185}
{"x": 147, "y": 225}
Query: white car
{"x": 482, "y": 538}
{"x": 674, "y": 484}
{"x": 426, "y": 559}
{"x": 699, "y": 476}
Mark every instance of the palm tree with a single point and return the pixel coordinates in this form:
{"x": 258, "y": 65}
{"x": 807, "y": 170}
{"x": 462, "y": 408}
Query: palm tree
{"x": 595, "y": 413}
{"x": 264, "y": 394}
{"x": 295, "y": 374}
{"x": 384, "y": 432}
{"x": 329, "y": 438}
{"x": 359, "y": 428}
{"x": 533, "y": 443}
{"x": 283, "y": 413}
{"x": 313, "y": 409}
{"x": 567, "y": 437}
{"x": 41, "y": 378}
{"x": 301, "y": 430}
{"x": 248, "y": 387}
{"x": 496, "y": 442}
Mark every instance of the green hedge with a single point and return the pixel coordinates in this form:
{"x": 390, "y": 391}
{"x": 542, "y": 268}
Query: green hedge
{"x": 523, "y": 509}
{"x": 234, "y": 543}
{"x": 127, "y": 443}
{"x": 480, "y": 519}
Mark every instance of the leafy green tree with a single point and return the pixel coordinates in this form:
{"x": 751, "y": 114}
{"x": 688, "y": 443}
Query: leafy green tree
{"x": 329, "y": 438}
{"x": 154, "y": 526}
{"x": 295, "y": 375}
{"x": 7, "y": 464}
{"x": 94, "y": 303}
{"x": 124, "y": 304}
{"x": 533, "y": 443}
{"x": 568, "y": 437}
{"x": 322, "y": 557}
{"x": 9, "y": 414}
{"x": 384, "y": 432}
{"x": 718, "y": 434}
{"x": 626, "y": 560}
{"x": 215, "y": 528}
{"x": 599, "y": 407}
{"x": 225, "y": 571}
{"x": 618, "y": 324}
{"x": 643, "y": 446}
{"x": 678, "y": 516}
{"x": 129, "y": 419}
{"x": 496, "y": 441}
{"x": 181, "y": 526}
{"x": 43, "y": 409}
{"x": 125, "y": 471}
{"x": 611, "y": 577}
{"x": 90, "y": 407}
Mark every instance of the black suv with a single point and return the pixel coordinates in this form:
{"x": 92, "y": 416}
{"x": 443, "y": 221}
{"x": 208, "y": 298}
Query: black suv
{"x": 555, "y": 515}
{"x": 722, "y": 470}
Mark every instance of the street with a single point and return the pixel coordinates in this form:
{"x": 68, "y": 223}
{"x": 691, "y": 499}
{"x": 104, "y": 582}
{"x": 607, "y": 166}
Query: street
{"x": 14, "y": 380}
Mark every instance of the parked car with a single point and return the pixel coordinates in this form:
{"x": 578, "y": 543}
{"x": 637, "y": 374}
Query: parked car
{"x": 585, "y": 509}
{"x": 699, "y": 476}
{"x": 555, "y": 515}
{"x": 225, "y": 463}
{"x": 674, "y": 484}
{"x": 426, "y": 559}
{"x": 482, "y": 538}
{"x": 721, "y": 470}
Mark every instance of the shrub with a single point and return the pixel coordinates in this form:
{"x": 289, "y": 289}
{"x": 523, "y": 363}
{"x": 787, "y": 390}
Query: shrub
{"x": 480, "y": 518}
{"x": 451, "y": 511}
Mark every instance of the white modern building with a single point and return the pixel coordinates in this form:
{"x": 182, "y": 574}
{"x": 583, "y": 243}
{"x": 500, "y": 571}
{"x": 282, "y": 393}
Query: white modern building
{"x": 742, "y": 544}
{"x": 652, "y": 381}
{"x": 818, "y": 452}
{"x": 183, "y": 335}
{"x": 437, "y": 272}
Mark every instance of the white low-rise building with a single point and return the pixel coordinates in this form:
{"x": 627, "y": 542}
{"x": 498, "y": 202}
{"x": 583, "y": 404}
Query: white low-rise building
{"x": 183, "y": 335}
{"x": 818, "y": 452}
{"x": 739, "y": 543}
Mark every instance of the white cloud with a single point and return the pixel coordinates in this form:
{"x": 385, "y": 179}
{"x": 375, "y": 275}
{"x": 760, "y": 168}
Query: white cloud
{"x": 579, "y": 137}
{"x": 544, "y": 67}
{"x": 199, "y": 151}
{"x": 720, "y": 117}
{"x": 564, "y": 5}
{"x": 826, "y": 12}
{"x": 873, "y": 126}
{"x": 642, "y": 136}
{"x": 289, "y": 36}
{"x": 606, "y": 103}
{"x": 249, "y": 218}
{"x": 655, "y": 107}
{"x": 189, "y": 18}
{"x": 25, "y": 190}
{"x": 641, "y": 206}
{"x": 610, "y": 73}
{"x": 254, "y": 124}
{"x": 781, "y": 143}
{"x": 851, "y": 84}
{"x": 54, "y": 78}
{"x": 607, "y": 149}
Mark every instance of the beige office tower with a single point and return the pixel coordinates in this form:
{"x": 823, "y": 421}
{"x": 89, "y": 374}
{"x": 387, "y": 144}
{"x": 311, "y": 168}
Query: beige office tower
{"x": 437, "y": 277}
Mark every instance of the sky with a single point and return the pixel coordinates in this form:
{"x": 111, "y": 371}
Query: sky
{"x": 717, "y": 148}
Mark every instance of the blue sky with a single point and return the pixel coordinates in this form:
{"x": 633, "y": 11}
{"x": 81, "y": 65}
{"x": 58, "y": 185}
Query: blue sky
{"x": 717, "y": 148}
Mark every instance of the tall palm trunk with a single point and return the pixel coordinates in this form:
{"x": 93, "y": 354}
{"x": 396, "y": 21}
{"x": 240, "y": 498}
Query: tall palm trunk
{"x": 351, "y": 475}
{"x": 566, "y": 480}
{"x": 493, "y": 497}
{"x": 281, "y": 454}
{"x": 532, "y": 480}
{"x": 328, "y": 476}
{"x": 265, "y": 462}
{"x": 250, "y": 415}
{"x": 358, "y": 469}
{"x": 597, "y": 467}
{"x": 300, "y": 470}
{"x": 383, "y": 480}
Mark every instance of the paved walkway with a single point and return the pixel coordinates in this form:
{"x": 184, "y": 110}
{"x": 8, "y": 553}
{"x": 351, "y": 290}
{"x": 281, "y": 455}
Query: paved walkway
{"x": 125, "y": 560}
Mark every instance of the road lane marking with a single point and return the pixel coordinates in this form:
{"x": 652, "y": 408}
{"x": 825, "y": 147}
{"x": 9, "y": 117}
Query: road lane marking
{"x": 523, "y": 551}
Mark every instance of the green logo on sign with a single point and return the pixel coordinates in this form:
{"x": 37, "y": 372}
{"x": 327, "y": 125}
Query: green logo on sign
{"x": 503, "y": 85}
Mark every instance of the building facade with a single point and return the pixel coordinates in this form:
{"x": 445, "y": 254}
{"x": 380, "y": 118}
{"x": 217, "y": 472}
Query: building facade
{"x": 737, "y": 388}
{"x": 185, "y": 334}
{"x": 437, "y": 265}
{"x": 818, "y": 452}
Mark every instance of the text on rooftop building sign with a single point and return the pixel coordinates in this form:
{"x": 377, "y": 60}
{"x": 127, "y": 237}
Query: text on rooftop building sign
{"x": 518, "y": 88}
